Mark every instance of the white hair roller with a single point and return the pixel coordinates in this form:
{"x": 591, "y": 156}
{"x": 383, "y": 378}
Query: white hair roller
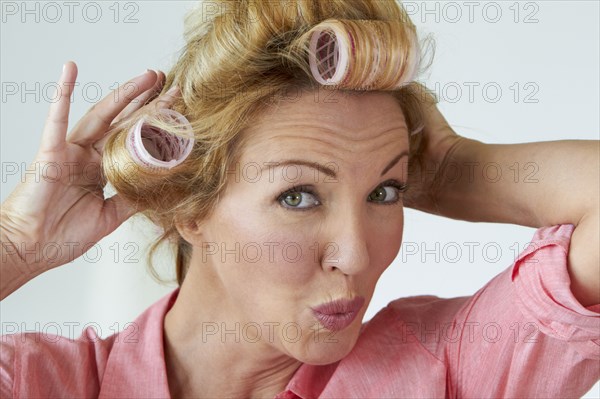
{"x": 152, "y": 147}
{"x": 363, "y": 54}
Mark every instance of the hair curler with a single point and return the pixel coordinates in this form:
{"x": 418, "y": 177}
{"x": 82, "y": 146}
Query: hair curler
{"x": 152, "y": 147}
{"x": 363, "y": 54}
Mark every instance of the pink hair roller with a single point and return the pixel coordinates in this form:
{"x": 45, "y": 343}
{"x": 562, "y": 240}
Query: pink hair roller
{"x": 152, "y": 147}
{"x": 329, "y": 58}
{"x": 332, "y": 55}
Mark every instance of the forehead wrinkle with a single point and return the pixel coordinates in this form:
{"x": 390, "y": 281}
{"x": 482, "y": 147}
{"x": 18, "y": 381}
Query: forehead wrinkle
{"x": 352, "y": 130}
{"x": 281, "y": 153}
{"x": 285, "y": 147}
{"x": 330, "y": 138}
{"x": 335, "y": 128}
{"x": 345, "y": 162}
{"x": 357, "y": 121}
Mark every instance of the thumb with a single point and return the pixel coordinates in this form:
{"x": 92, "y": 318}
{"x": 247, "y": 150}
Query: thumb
{"x": 117, "y": 211}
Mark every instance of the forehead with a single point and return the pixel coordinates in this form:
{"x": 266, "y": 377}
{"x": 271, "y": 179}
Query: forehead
{"x": 338, "y": 124}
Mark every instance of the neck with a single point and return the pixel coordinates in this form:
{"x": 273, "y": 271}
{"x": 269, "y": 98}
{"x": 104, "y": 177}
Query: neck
{"x": 206, "y": 354}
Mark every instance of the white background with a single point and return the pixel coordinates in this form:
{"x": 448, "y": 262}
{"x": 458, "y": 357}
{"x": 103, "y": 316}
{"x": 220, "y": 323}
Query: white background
{"x": 550, "y": 49}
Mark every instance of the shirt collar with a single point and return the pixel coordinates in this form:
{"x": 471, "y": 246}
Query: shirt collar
{"x": 308, "y": 381}
{"x": 138, "y": 352}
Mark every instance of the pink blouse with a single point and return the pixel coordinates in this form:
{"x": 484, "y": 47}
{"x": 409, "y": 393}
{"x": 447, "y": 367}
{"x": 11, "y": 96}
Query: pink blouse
{"x": 522, "y": 335}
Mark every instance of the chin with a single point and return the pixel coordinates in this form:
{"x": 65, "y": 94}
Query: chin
{"x": 327, "y": 347}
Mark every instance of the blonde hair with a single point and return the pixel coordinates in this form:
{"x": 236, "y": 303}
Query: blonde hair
{"x": 240, "y": 56}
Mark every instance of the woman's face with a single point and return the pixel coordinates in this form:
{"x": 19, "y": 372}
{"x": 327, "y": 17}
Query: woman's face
{"x": 311, "y": 214}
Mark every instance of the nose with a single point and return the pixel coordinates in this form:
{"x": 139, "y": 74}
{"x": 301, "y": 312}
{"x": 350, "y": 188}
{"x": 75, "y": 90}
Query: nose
{"x": 346, "y": 248}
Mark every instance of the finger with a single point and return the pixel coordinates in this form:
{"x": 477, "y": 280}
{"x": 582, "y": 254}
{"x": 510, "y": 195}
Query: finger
{"x": 55, "y": 128}
{"x": 164, "y": 101}
{"x": 142, "y": 99}
{"x": 167, "y": 99}
{"x": 97, "y": 120}
{"x": 131, "y": 108}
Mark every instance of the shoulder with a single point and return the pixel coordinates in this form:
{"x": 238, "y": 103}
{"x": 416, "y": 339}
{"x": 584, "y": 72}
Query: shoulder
{"x": 423, "y": 309}
{"x": 49, "y": 365}
{"x": 419, "y": 322}
{"x": 534, "y": 290}
{"x": 389, "y": 357}
{"x": 126, "y": 364}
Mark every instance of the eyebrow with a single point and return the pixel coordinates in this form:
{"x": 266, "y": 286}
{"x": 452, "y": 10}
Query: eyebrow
{"x": 330, "y": 172}
{"x": 394, "y": 162}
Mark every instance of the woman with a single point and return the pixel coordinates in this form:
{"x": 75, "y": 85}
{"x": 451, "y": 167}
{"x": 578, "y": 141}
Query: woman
{"x": 277, "y": 268}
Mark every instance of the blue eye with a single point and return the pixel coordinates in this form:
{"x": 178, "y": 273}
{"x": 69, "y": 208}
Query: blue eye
{"x": 298, "y": 198}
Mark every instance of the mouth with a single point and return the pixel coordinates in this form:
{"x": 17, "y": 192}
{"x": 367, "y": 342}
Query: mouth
{"x": 338, "y": 314}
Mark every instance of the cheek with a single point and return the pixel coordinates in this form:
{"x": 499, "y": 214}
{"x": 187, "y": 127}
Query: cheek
{"x": 385, "y": 243}
{"x": 267, "y": 256}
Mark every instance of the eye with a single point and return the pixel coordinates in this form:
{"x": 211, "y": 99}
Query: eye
{"x": 388, "y": 192}
{"x": 298, "y": 198}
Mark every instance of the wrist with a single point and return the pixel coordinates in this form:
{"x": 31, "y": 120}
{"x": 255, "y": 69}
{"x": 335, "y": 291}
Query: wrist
{"x": 19, "y": 251}
{"x": 442, "y": 175}
{"x": 454, "y": 181}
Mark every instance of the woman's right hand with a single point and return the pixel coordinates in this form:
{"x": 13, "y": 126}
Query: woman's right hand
{"x": 56, "y": 215}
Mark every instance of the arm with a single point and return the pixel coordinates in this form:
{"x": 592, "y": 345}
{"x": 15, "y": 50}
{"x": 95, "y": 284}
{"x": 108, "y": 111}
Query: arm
{"x": 42, "y": 214}
{"x": 530, "y": 184}
{"x": 14, "y": 270}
